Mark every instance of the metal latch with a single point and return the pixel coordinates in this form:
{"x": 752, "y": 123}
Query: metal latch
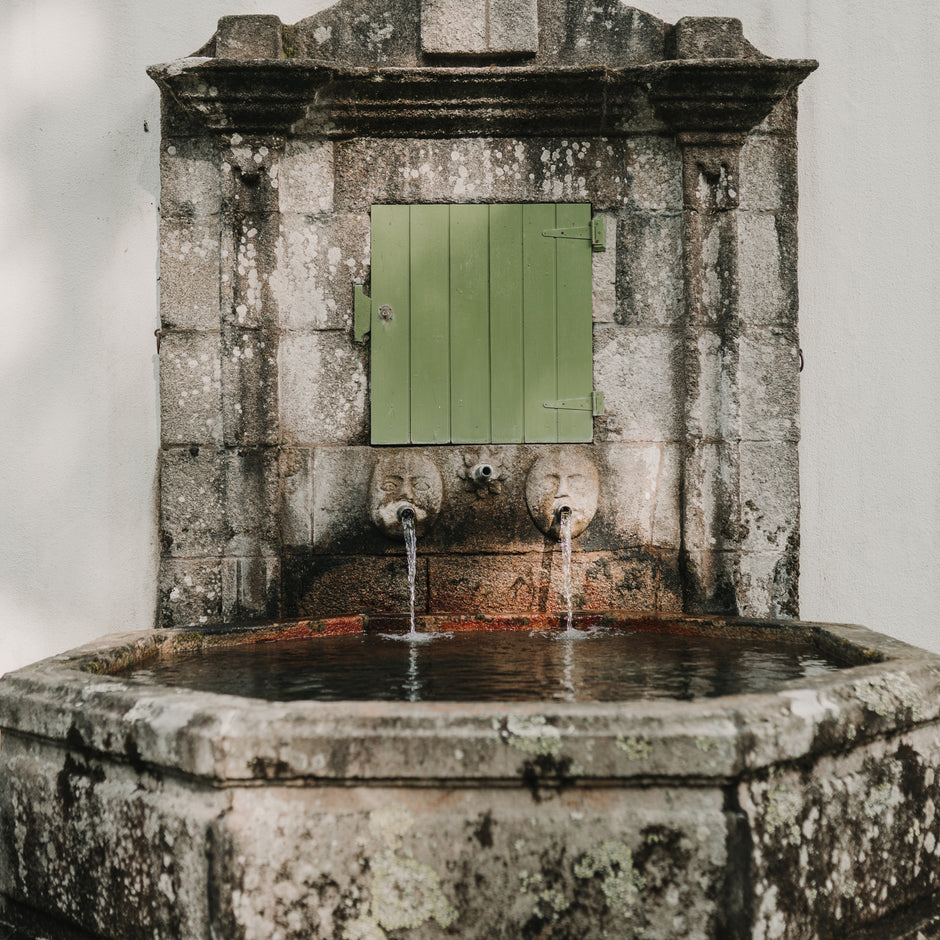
{"x": 595, "y": 233}
{"x": 593, "y": 403}
{"x": 362, "y": 314}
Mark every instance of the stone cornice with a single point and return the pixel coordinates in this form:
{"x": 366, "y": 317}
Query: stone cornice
{"x": 323, "y": 98}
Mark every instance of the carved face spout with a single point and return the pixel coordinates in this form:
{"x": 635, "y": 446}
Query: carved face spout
{"x": 404, "y": 481}
{"x": 566, "y": 479}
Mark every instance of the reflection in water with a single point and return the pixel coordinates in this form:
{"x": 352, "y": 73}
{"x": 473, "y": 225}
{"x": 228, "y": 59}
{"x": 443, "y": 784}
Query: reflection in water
{"x": 581, "y": 666}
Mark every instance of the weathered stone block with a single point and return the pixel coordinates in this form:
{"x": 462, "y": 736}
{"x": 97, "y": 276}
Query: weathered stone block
{"x": 711, "y": 496}
{"x": 652, "y": 173}
{"x": 189, "y": 178}
{"x": 513, "y": 27}
{"x": 190, "y": 591}
{"x": 606, "y": 32}
{"x": 767, "y": 294}
{"x": 649, "y": 269}
{"x": 252, "y": 486}
{"x": 768, "y": 173}
{"x": 251, "y": 36}
{"x": 250, "y": 588}
{"x": 249, "y": 174}
{"x": 636, "y": 370}
{"x": 615, "y": 863}
{"x": 769, "y": 386}
{"x": 323, "y": 585}
{"x": 189, "y": 274}
{"x": 250, "y": 387}
{"x": 192, "y": 502}
{"x": 768, "y": 584}
{"x": 305, "y": 177}
{"x": 604, "y": 275}
{"x": 709, "y": 37}
{"x": 317, "y": 264}
{"x": 803, "y": 820}
{"x": 627, "y": 580}
{"x": 249, "y": 250}
{"x": 638, "y": 503}
{"x": 453, "y": 27}
{"x": 323, "y": 389}
{"x": 296, "y": 474}
{"x": 607, "y": 173}
{"x": 117, "y": 847}
{"x": 770, "y": 495}
{"x": 190, "y": 388}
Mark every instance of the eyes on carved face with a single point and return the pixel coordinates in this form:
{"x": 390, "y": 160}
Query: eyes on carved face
{"x": 395, "y": 484}
{"x": 391, "y": 484}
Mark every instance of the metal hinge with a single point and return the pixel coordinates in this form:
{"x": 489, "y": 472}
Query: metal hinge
{"x": 595, "y": 233}
{"x": 593, "y": 403}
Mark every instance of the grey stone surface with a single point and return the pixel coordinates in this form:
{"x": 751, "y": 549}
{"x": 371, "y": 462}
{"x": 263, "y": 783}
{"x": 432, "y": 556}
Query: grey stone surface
{"x": 190, "y": 591}
{"x": 228, "y": 816}
{"x": 305, "y": 177}
{"x": 768, "y": 583}
{"x": 192, "y": 507}
{"x": 252, "y": 36}
{"x": 323, "y": 389}
{"x": 636, "y": 371}
{"x": 710, "y": 37}
{"x": 296, "y": 475}
{"x": 649, "y": 269}
{"x": 770, "y": 495}
{"x": 768, "y": 295}
{"x": 513, "y": 27}
{"x": 317, "y": 263}
{"x": 190, "y": 388}
{"x": 454, "y": 27}
{"x": 189, "y": 178}
{"x": 768, "y": 173}
{"x": 250, "y": 387}
{"x": 189, "y": 274}
{"x": 769, "y": 384}
{"x": 250, "y": 588}
{"x": 604, "y": 275}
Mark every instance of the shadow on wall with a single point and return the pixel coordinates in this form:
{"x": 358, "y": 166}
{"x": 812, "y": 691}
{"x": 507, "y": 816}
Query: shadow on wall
{"x": 79, "y": 183}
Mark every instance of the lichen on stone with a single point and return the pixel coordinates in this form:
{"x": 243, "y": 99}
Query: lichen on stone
{"x": 635, "y": 748}
{"x": 533, "y": 735}
{"x": 620, "y": 882}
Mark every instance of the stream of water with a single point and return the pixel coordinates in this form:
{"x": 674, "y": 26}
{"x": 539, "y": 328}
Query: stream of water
{"x": 411, "y": 548}
{"x": 564, "y": 525}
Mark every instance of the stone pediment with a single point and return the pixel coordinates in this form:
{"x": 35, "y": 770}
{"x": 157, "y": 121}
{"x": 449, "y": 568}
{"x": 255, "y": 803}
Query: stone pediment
{"x": 440, "y": 69}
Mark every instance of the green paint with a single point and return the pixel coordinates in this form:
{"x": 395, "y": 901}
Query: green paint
{"x": 476, "y": 320}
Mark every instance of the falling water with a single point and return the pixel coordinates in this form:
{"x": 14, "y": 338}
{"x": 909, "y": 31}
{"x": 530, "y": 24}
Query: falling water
{"x": 411, "y": 547}
{"x": 564, "y": 525}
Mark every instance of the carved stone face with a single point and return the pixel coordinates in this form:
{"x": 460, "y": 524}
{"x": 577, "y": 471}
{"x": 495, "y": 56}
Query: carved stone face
{"x": 559, "y": 479}
{"x": 404, "y": 480}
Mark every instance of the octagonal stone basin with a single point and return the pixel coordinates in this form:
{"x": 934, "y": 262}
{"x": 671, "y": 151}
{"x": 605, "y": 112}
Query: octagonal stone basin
{"x": 131, "y": 808}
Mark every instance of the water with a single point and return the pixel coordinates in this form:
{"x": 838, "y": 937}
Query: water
{"x": 411, "y": 549}
{"x": 564, "y": 527}
{"x": 512, "y": 665}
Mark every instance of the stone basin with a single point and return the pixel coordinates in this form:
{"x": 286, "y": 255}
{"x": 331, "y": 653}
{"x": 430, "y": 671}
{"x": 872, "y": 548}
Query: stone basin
{"x": 132, "y": 809}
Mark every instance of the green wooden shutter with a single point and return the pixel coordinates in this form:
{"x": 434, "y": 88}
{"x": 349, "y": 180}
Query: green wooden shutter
{"x": 481, "y": 324}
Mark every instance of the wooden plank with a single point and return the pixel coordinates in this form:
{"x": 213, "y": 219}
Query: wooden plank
{"x": 506, "y": 333}
{"x": 430, "y": 333}
{"x": 575, "y": 360}
{"x": 538, "y": 313}
{"x": 389, "y": 393}
{"x": 469, "y": 325}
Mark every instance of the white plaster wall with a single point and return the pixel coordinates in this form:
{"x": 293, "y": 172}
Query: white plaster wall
{"x": 79, "y": 131}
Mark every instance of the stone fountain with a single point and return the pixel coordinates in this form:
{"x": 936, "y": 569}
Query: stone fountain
{"x": 481, "y": 263}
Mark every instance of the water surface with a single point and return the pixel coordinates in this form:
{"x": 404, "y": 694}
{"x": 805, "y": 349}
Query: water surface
{"x": 599, "y": 665}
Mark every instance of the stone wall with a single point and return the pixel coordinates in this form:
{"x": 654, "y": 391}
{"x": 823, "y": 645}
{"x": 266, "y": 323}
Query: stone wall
{"x": 266, "y": 190}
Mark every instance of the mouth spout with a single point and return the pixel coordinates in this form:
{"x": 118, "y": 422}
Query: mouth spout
{"x": 405, "y": 514}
